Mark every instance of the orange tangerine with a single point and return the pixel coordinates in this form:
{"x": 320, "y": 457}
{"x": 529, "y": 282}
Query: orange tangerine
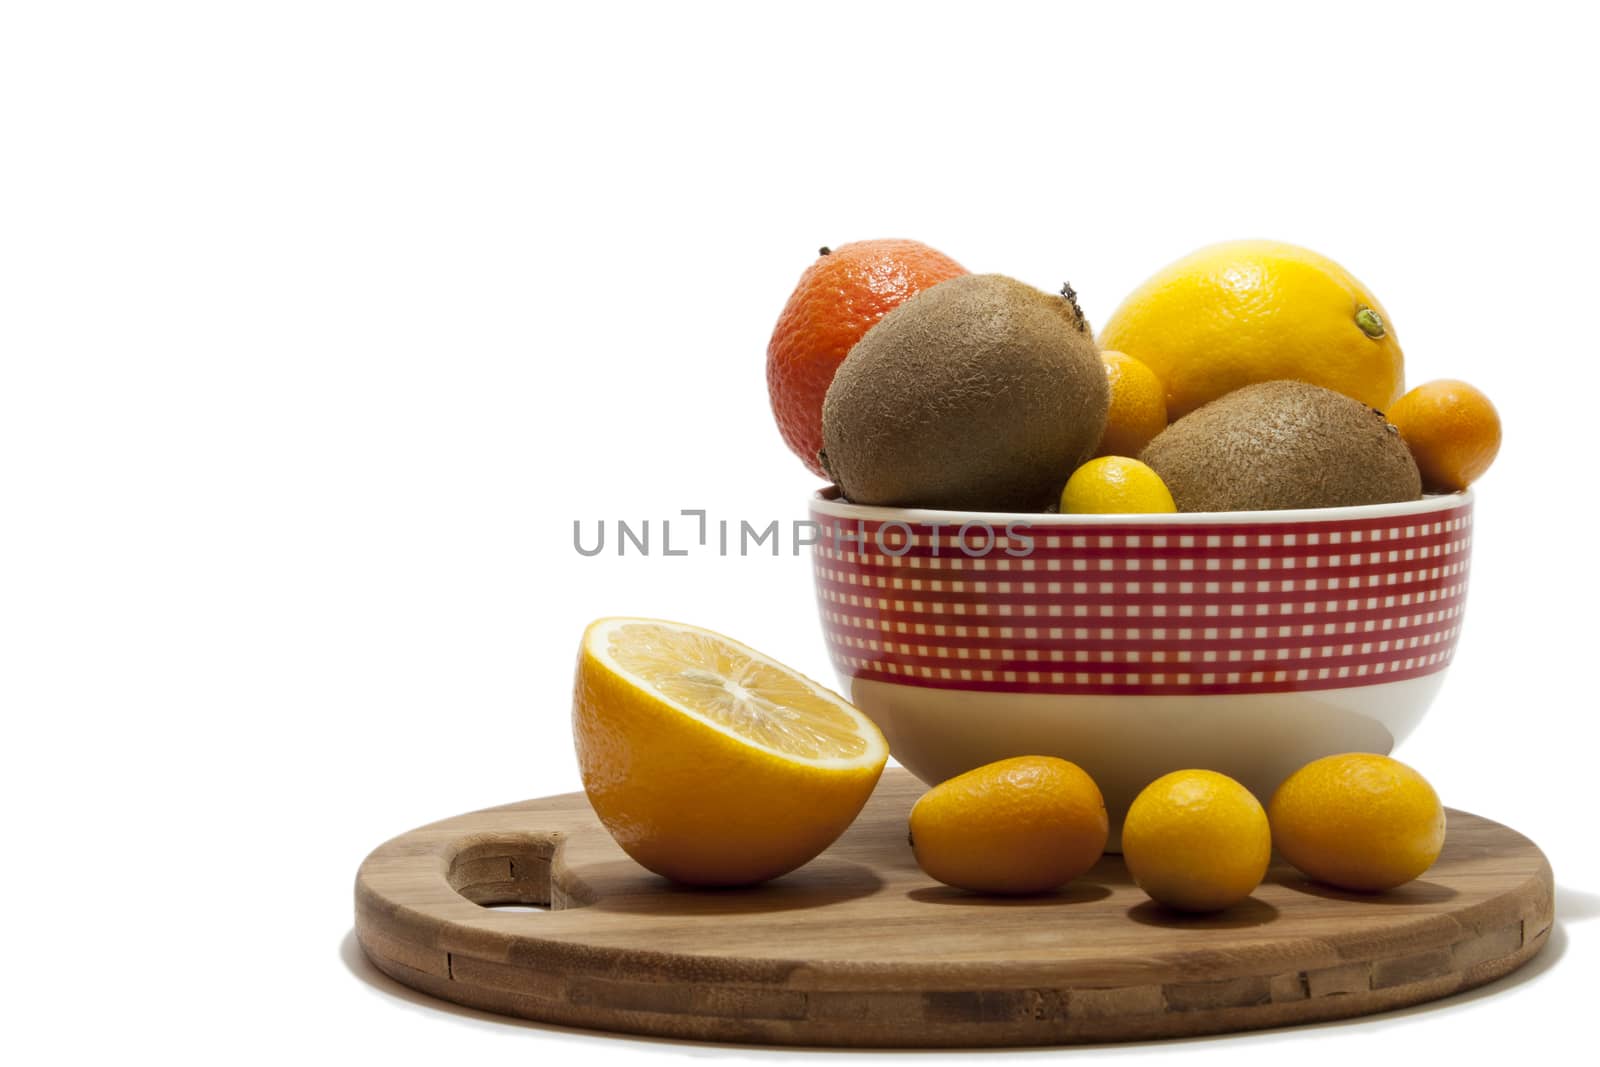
{"x": 1138, "y": 406}
{"x": 1453, "y": 432}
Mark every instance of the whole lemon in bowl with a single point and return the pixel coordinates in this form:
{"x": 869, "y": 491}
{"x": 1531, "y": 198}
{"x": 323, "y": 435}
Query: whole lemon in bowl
{"x": 1241, "y": 312}
{"x": 1115, "y": 485}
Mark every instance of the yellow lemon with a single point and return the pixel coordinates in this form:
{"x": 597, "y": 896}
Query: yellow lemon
{"x": 1196, "y": 841}
{"x": 1023, "y": 825}
{"x": 1115, "y": 485}
{"x": 710, "y": 763}
{"x": 1358, "y": 821}
{"x": 1242, "y": 312}
{"x": 1138, "y": 406}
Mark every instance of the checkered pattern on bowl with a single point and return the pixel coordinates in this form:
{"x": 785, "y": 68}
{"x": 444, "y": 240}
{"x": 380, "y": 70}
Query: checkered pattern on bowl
{"x": 1311, "y": 600}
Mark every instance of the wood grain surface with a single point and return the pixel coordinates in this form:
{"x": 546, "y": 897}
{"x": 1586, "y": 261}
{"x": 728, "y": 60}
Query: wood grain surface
{"x": 859, "y": 947}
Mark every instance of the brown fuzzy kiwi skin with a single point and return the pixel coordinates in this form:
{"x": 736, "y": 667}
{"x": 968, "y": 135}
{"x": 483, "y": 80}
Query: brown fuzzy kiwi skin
{"x": 1279, "y": 445}
{"x": 981, "y": 393}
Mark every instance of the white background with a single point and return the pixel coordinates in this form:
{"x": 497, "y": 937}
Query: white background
{"x": 322, "y": 322}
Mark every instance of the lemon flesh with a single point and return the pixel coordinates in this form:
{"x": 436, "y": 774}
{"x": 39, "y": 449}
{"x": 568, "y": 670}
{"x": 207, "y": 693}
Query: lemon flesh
{"x": 739, "y": 691}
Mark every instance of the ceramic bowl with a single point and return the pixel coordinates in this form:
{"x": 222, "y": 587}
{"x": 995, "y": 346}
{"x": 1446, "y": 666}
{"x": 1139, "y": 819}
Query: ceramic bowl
{"x": 1245, "y": 642}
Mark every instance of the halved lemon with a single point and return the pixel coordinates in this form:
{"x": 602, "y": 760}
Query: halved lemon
{"x": 710, "y": 763}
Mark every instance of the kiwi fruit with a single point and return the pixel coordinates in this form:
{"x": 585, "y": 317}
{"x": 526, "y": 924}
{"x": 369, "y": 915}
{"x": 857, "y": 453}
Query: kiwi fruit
{"x": 980, "y": 393}
{"x": 1283, "y": 444}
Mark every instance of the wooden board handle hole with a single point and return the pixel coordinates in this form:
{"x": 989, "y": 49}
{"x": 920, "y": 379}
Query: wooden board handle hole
{"x": 509, "y": 871}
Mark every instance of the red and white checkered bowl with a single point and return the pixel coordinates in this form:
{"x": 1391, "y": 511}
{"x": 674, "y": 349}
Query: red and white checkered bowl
{"x": 1249, "y": 643}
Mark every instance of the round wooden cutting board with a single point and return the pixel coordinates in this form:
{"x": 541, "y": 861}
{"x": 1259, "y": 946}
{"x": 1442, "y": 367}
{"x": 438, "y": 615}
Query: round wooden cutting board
{"x": 859, "y": 947}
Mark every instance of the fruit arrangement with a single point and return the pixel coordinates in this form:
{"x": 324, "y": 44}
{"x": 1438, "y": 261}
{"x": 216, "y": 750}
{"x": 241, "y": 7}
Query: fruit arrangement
{"x": 1247, "y": 376}
{"x": 1250, "y": 375}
